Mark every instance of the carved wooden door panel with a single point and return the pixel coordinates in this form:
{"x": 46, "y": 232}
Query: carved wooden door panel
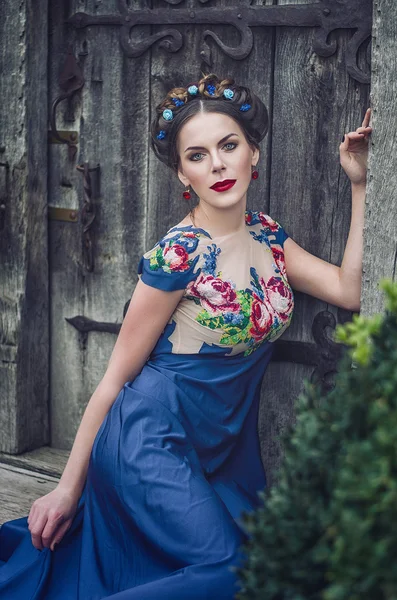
{"x": 310, "y": 64}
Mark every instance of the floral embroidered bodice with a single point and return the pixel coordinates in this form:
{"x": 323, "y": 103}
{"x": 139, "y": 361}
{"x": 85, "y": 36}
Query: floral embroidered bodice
{"x": 236, "y": 291}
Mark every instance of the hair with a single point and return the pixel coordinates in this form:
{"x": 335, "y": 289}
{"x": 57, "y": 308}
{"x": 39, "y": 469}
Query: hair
{"x": 253, "y": 122}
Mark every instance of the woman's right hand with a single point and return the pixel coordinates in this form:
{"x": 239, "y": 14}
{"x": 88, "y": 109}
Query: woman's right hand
{"x": 51, "y": 516}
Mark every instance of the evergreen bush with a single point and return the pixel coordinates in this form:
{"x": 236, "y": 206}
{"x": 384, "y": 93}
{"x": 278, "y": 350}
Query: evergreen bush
{"x": 328, "y": 530}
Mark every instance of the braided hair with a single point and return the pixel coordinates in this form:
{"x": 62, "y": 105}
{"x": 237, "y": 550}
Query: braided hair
{"x": 242, "y": 105}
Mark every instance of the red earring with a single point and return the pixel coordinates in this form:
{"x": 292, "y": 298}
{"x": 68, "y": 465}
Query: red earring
{"x": 186, "y": 194}
{"x": 255, "y": 174}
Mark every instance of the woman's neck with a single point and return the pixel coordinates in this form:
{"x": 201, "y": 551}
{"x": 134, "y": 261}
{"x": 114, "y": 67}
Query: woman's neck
{"x": 219, "y": 221}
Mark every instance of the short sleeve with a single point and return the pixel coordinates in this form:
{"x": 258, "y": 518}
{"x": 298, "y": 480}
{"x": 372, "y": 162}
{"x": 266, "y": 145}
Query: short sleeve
{"x": 173, "y": 262}
{"x": 281, "y": 234}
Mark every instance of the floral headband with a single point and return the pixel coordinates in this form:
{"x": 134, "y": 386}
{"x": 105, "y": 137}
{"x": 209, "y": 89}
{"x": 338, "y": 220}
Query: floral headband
{"x": 168, "y": 115}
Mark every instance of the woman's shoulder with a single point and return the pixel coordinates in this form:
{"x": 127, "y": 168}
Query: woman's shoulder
{"x": 257, "y": 217}
{"x": 175, "y": 259}
{"x": 259, "y": 220}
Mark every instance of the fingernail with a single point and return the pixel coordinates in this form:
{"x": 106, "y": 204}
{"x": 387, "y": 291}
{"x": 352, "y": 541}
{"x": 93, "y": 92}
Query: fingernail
{"x": 343, "y": 139}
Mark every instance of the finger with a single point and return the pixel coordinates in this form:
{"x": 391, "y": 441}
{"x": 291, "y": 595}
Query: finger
{"x": 36, "y": 531}
{"x": 60, "y": 532}
{"x": 54, "y": 521}
{"x": 31, "y": 516}
{"x": 364, "y": 129}
{"x": 367, "y": 118}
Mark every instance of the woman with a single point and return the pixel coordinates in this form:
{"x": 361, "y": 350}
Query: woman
{"x": 167, "y": 455}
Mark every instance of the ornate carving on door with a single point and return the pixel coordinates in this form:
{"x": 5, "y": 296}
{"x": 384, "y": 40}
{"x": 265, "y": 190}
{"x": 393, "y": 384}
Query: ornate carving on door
{"x": 326, "y": 16}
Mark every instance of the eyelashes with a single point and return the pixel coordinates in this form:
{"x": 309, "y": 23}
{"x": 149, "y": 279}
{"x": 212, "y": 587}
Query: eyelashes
{"x": 234, "y": 144}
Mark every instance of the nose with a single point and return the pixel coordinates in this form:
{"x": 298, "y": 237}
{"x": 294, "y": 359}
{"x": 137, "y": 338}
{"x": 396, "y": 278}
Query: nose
{"x": 217, "y": 162}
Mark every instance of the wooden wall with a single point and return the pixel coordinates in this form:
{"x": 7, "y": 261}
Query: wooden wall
{"x": 380, "y": 239}
{"x": 24, "y": 336}
{"x": 314, "y": 102}
{"x": 311, "y": 101}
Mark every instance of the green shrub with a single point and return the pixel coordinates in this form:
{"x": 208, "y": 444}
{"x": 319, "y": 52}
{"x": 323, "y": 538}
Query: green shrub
{"x": 328, "y": 530}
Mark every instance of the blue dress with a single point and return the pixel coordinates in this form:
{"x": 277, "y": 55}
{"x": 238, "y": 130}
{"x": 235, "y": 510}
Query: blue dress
{"x": 177, "y": 458}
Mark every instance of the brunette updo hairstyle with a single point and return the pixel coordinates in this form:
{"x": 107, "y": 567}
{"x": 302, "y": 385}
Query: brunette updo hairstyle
{"x": 253, "y": 122}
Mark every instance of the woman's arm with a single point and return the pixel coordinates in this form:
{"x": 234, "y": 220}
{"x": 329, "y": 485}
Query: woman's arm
{"x": 148, "y": 313}
{"x": 307, "y": 273}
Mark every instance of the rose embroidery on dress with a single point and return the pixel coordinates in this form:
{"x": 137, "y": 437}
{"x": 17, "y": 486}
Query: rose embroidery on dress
{"x": 172, "y": 254}
{"x": 254, "y": 217}
{"x": 250, "y": 316}
{"x": 261, "y": 320}
{"x": 215, "y": 294}
{"x": 280, "y": 297}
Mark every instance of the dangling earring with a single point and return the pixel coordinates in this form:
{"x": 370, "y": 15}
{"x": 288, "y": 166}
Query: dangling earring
{"x": 186, "y": 194}
{"x": 254, "y": 174}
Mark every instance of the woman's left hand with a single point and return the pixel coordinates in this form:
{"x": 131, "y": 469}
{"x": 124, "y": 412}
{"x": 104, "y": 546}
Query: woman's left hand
{"x": 354, "y": 151}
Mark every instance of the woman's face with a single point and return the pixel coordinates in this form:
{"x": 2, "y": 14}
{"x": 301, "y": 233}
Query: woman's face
{"x": 212, "y": 147}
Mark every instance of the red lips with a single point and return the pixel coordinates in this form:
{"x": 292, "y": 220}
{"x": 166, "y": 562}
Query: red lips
{"x": 221, "y": 186}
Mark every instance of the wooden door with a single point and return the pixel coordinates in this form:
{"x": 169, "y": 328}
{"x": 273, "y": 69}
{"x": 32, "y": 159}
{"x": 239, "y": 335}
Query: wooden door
{"x": 312, "y": 101}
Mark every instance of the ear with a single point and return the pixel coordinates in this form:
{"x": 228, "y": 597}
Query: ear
{"x": 255, "y": 157}
{"x": 182, "y": 178}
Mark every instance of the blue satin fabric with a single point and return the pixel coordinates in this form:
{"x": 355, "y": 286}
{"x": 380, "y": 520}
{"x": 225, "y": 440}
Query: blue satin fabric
{"x": 175, "y": 463}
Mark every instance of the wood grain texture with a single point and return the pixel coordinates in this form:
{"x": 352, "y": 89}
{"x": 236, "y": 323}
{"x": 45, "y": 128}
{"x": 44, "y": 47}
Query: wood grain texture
{"x": 166, "y": 206}
{"x": 380, "y": 238}
{"x": 315, "y": 103}
{"x": 24, "y": 336}
{"x": 45, "y": 460}
{"x": 111, "y": 115}
{"x": 19, "y": 488}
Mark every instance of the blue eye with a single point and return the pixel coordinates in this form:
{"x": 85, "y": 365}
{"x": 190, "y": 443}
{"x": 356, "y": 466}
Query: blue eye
{"x": 227, "y": 144}
{"x": 192, "y": 156}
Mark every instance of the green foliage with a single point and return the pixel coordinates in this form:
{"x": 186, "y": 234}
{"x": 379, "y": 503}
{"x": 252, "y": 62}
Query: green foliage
{"x": 328, "y": 531}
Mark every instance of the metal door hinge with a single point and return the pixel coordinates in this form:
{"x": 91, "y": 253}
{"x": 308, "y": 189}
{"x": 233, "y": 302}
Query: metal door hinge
{"x": 62, "y": 214}
{"x": 68, "y": 137}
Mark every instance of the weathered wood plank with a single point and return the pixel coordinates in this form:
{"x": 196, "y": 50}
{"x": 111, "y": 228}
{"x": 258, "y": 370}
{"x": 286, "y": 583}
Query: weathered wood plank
{"x": 111, "y": 115}
{"x": 19, "y": 488}
{"x": 380, "y": 237}
{"x": 24, "y": 349}
{"x": 46, "y": 460}
{"x": 315, "y": 102}
{"x": 166, "y": 206}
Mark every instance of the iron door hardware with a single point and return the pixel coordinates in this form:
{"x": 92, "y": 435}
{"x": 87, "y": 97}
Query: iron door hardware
{"x": 326, "y": 16}
{"x": 324, "y": 354}
{"x": 56, "y": 213}
{"x": 91, "y": 189}
{"x": 71, "y": 79}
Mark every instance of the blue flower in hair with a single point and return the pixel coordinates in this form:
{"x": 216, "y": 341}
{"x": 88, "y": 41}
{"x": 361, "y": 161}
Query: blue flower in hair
{"x": 211, "y": 89}
{"x": 228, "y": 93}
{"x": 167, "y": 114}
{"x": 245, "y": 107}
{"x": 192, "y": 89}
{"x": 161, "y": 134}
{"x": 177, "y": 102}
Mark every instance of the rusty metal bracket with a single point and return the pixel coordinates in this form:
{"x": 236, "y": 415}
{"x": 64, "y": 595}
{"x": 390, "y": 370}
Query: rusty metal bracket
{"x": 56, "y": 213}
{"x": 71, "y": 79}
{"x": 88, "y": 211}
{"x": 64, "y": 137}
{"x": 325, "y": 15}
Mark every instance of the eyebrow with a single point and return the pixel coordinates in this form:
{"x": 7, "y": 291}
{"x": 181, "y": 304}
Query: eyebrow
{"x": 220, "y": 142}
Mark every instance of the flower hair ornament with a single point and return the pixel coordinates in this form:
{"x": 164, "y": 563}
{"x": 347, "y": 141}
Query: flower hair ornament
{"x": 193, "y": 90}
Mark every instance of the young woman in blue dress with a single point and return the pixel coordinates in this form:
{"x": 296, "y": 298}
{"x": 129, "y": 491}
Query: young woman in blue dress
{"x": 208, "y": 133}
